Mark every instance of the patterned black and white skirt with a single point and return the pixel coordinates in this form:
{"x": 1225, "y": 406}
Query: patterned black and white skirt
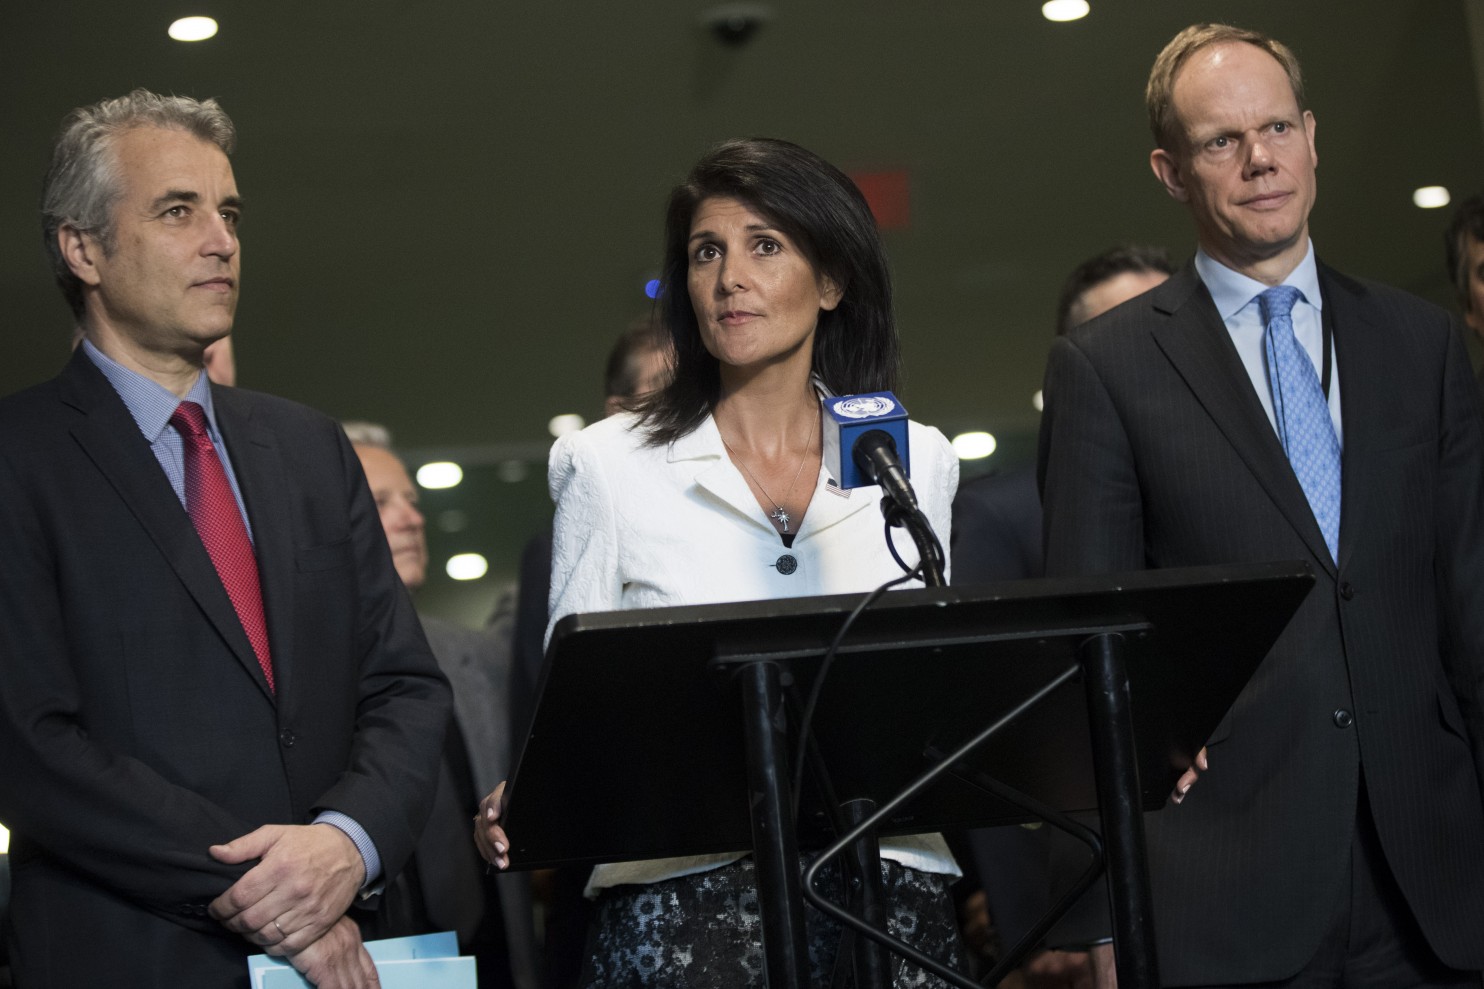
{"x": 704, "y": 931}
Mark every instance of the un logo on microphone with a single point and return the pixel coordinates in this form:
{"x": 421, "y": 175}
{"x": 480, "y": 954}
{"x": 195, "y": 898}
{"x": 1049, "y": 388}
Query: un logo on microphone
{"x": 864, "y": 406}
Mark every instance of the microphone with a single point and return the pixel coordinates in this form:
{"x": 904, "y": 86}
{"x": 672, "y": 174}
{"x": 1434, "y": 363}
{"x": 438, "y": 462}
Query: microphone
{"x": 875, "y": 453}
{"x": 873, "y": 428}
{"x": 849, "y": 417}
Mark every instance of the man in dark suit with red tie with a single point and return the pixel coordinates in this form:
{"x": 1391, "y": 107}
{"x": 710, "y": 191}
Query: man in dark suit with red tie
{"x": 1262, "y": 406}
{"x": 220, "y": 722}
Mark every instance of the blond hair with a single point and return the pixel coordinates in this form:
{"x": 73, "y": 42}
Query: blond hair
{"x": 1159, "y": 94}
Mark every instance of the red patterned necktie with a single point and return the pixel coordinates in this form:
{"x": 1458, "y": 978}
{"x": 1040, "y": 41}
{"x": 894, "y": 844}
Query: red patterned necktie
{"x": 214, "y": 512}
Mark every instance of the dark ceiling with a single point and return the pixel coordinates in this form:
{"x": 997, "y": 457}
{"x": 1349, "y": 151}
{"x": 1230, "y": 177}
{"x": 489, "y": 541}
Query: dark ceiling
{"x": 452, "y": 208}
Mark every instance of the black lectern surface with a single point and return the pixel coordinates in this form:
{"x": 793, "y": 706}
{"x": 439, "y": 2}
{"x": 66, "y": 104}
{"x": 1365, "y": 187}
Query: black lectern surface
{"x": 636, "y": 748}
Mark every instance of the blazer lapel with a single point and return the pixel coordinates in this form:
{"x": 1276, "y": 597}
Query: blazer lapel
{"x": 715, "y": 472}
{"x": 726, "y": 483}
{"x": 111, "y": 439}
{"x": 265, "y": 486}
{"x": 831, "y": 507}
{"x": 1360, "y": 357}
{"x": 1196, "y": 342}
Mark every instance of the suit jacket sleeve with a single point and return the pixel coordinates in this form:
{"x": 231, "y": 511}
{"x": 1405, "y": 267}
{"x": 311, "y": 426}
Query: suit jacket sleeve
{"x": 1460, "y": 540}
{"x": 585, "y": 575}
{"x": 1093, "y": 513}
{"x": 404, "y": 702}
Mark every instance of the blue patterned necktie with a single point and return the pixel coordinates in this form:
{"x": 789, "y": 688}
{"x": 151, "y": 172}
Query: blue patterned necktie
{"x": 1301, "y": 413}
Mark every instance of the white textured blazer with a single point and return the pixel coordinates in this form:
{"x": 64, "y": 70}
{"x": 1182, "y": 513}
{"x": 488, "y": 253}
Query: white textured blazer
{"x": 640, "y": 526}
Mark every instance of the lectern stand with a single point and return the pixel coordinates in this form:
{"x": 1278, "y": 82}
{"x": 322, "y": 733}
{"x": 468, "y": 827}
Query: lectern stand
{"x": 664, "y": 732}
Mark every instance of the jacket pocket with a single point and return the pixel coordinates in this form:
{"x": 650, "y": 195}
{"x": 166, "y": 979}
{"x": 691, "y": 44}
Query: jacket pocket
{"x": 327, "y": 557}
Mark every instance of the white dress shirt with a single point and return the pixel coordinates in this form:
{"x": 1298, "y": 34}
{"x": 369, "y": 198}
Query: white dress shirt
{"x": 1236, "y": 295}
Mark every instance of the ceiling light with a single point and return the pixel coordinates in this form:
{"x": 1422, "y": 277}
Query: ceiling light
{"x": 1064, "y": 10}
{"x": 1431, "y": 197}
{"x": 442, "y": 474}
{"x": 1037, "y": 402}
{"x": 4, "y": 841}
{"x": 560, "y": 426}
{"x": 974, "y": 446}
{"x": 193, "y": 29}
{"x": 467, "y": 566}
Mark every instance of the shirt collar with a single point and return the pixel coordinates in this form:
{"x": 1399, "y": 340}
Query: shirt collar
{"x": 148, "y": 402}
{"x": 705, "y": 440}
{"x": 1233, "y": 291}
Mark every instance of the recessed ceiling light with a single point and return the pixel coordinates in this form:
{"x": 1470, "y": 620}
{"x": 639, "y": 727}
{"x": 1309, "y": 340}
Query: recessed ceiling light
{"x": 1064, "y": 10}
{"x": 1038, "y": 402}
{"x": 1431, "y": 197}
{"x": 441, "y": 474}
{"x": 193, "y": 29}
{"x": 974, "y": 446}
{"x": 561, "y": 425}
{"x": 467, "y": 566}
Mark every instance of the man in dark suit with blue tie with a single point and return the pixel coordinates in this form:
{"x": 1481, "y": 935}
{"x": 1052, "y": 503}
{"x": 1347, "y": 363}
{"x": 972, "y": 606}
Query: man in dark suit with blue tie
{"x": 220, "y": 721}
{"x": 1262, "y": 406}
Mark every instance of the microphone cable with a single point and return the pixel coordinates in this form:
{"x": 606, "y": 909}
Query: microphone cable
{"x": 806, "y": 722}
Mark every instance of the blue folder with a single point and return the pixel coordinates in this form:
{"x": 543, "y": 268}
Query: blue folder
{"x": 428, "y": 961}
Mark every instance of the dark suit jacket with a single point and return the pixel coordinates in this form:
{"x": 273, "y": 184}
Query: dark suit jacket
{"x": 997, "y": 528}
{"x": 1155, "y": 452}
{"x": 136, "y": 726}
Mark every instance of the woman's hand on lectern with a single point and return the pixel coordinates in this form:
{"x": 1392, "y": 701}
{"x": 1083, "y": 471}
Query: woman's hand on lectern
{"x": 488, "y": 835}
{"x": 1188, "y": 778}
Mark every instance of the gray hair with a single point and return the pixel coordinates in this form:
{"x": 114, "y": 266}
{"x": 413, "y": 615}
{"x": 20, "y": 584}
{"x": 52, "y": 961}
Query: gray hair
{"x": 372, "y": 434}
{"x": 82, "y": 185}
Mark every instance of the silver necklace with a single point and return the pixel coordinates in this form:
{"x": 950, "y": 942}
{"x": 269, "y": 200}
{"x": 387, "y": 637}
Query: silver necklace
{"x": 779, "y": 514}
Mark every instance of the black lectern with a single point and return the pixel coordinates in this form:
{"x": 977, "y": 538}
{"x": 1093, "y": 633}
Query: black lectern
{"x": 662, "y": 732}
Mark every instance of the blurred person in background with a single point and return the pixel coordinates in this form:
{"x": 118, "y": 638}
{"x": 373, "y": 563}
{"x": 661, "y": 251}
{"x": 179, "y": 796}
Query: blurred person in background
{"x": 997, "y": 536}
{"x": 443, "y": 886}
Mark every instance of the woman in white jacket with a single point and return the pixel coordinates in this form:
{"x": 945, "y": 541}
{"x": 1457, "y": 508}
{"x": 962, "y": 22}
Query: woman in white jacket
{"x": 713, "y": 490}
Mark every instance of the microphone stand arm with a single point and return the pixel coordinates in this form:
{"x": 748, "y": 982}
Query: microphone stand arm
{"x": 929, "y": 549}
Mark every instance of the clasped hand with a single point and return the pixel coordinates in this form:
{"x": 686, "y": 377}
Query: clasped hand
{"x": 306, "y": 878}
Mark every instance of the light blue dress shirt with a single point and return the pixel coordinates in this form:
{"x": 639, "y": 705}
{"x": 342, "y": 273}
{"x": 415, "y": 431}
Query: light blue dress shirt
{"x": 152, "y": 405}
{"x": 1236, "y": 295}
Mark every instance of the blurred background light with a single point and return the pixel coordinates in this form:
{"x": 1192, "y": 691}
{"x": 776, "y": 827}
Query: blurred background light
{"x": 974, "y": 446}
{"x": 440, "y": 474}
{"x": 1062, "y": 11}
{"x": 467, "y": 566}
{"x": 561, "y": 425}
{"x": 193, "y": 29}
{"x": 1431, "y": 197}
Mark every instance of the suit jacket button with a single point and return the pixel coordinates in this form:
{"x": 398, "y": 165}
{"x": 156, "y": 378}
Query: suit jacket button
{"x": 1343, "y": 718}
{"x": 786, "y": 564}
{"x": 286, "y": 738}
{"x": 1346, "y": 591}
